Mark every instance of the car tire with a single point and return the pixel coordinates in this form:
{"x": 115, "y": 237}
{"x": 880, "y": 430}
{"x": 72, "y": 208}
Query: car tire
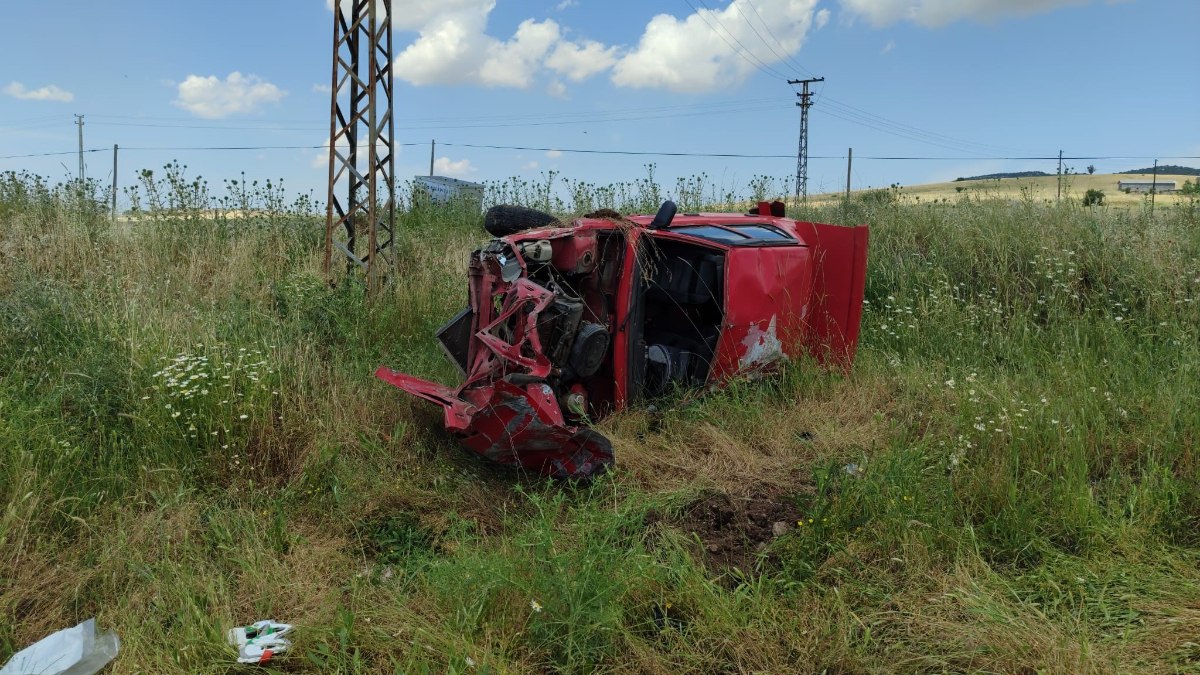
{"x": 503, "y": 220}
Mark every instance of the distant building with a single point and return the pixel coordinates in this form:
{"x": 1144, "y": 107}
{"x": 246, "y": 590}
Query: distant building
{"x": 1146, "y": 186}
{"x": 443, "y": 189}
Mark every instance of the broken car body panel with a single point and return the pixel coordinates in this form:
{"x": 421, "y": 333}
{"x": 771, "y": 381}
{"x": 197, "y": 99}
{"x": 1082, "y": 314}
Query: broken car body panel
{"x": 568, "y": 324}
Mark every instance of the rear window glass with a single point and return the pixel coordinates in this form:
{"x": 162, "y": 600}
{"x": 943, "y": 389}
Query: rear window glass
{"x": 764, "y": 232}
{"x": 752, "y": 234}
{"x": 711, "y": 232}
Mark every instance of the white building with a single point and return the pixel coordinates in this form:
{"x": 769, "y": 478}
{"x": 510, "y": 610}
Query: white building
{"x": 1146, "y": 186}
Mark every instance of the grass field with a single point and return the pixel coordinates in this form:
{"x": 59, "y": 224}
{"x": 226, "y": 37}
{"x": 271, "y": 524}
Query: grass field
{"x": 1040, "y": 189}
{"x": 191, "y": 439}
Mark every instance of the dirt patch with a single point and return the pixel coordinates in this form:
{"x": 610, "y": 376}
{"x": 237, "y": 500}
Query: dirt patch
{"x": 734, "y": 531}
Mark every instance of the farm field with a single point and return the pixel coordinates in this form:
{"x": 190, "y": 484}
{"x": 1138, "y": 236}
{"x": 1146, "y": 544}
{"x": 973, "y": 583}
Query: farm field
{"x": 1036, "y": 188}
{"x": 191, "y": 438}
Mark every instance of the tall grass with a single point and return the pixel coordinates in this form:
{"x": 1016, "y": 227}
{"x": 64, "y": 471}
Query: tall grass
{"x": 190, "y": 439}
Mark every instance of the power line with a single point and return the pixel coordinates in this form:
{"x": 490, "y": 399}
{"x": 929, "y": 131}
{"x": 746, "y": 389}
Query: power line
{"x": 50, "y": 154}
{"x": 31, "y": 125}
{"x": 790, "y": 59}
{"x": 42, "y": 118}
{"x": 595, "y": 119}
{"x": 590, "y": 113}
{"x": 907, "y": 130}
{"x": 190, "y": 148}
{"x": 843, "y": 111}
{"x": 756, "y": 156}
{"x": 230, "y": 147}
{"x": 897, "y": 133}
{"x": 590, "y": 151}
{"x": 618, "y": 152}
{"x": 744, "y": 53}
{"x": 780, "y": 57}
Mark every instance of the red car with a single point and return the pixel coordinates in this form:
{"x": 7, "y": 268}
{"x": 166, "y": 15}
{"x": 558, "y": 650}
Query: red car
{"x": 567, "y": 324}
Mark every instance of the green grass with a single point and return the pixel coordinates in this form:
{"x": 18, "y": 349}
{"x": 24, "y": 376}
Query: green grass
{"x": 191, "y": 439}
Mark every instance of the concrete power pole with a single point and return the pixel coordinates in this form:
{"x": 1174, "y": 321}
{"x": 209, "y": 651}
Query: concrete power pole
{"x": 849, "y": 163}
{"x": 114, "y": 185}
{"x": 802, "y": 151}
{"x": 1060, "y": 177}
{"x": 79, "y": 123}
{"x": 1153, "y": 187}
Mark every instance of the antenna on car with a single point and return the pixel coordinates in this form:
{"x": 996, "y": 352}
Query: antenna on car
{"x": 666, "y": 213}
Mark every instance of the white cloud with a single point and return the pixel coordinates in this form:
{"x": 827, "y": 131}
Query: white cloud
{"x": 701, "y": 52}
{"x": 530, "y": 165}
{"x": 513, "y": 63}
{"x": 444, "y": 166}
{"x": 49, "y": 92}
{"x": 934, "y": 13}
{"x": 213, "y": 98}
{"x": 891, "y": 44}
{"x": 449, "y": 49}
{"x": 554, "y": 154}
{"x": 454, "y": 47}
{"x": 416, "y": 14}
{"x": 322, "y": 89}
{"x": 579, "y": 61}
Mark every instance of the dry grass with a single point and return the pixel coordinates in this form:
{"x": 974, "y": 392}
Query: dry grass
{"x": 1064, "y": 542}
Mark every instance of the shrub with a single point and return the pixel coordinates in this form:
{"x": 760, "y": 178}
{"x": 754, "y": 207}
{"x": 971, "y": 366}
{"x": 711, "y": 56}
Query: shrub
{"x": 1093, "y": 197}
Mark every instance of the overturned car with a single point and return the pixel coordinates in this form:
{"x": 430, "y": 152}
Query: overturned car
{"x": 568, "y": 323}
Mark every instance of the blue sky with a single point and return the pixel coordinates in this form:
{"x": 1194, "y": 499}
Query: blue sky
{"x": 968, "y": 79}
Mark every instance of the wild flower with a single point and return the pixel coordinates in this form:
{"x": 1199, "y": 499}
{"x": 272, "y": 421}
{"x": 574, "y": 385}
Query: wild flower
{"x": 182, "y": 381}
{"x": 535, "y": 605}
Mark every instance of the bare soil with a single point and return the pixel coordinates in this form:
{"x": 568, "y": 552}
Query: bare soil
{"x": 734, "y": 531}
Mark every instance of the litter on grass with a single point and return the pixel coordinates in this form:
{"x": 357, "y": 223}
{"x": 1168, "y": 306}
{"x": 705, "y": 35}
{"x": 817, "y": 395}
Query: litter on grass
{"x": 260, "y": 641}
{"x": 71, "y": 651}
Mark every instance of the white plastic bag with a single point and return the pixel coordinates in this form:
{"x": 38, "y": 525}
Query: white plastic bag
{"x": 260, "y": 641}
{"x": 71, "y": 651}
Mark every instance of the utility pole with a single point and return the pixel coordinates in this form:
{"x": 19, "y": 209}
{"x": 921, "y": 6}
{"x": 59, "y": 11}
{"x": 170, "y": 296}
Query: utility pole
{"x": 1153, "y": 187}
{"x": 79, "y": 123}
{"x": 432, "y": 151}
{"x": 849, "y": 163}
{"x": 360, "y": 122}
{"x": 1059, "y": 198}
{"x": 802, "y": 151}
{"x": 114, "y": 186}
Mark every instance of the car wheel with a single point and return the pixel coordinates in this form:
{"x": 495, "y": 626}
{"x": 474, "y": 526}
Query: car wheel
{"x": 503, "y": 220}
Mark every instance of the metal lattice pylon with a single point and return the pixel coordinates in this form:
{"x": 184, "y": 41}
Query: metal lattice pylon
{"x": 804, "y": 103}
{"x": 362, "y": 141}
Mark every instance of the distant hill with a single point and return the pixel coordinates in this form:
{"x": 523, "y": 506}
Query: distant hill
{"x": 1044, "y": 189}
{"x": 1168, "y": 168}
{"x": 1015, "y": 174}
